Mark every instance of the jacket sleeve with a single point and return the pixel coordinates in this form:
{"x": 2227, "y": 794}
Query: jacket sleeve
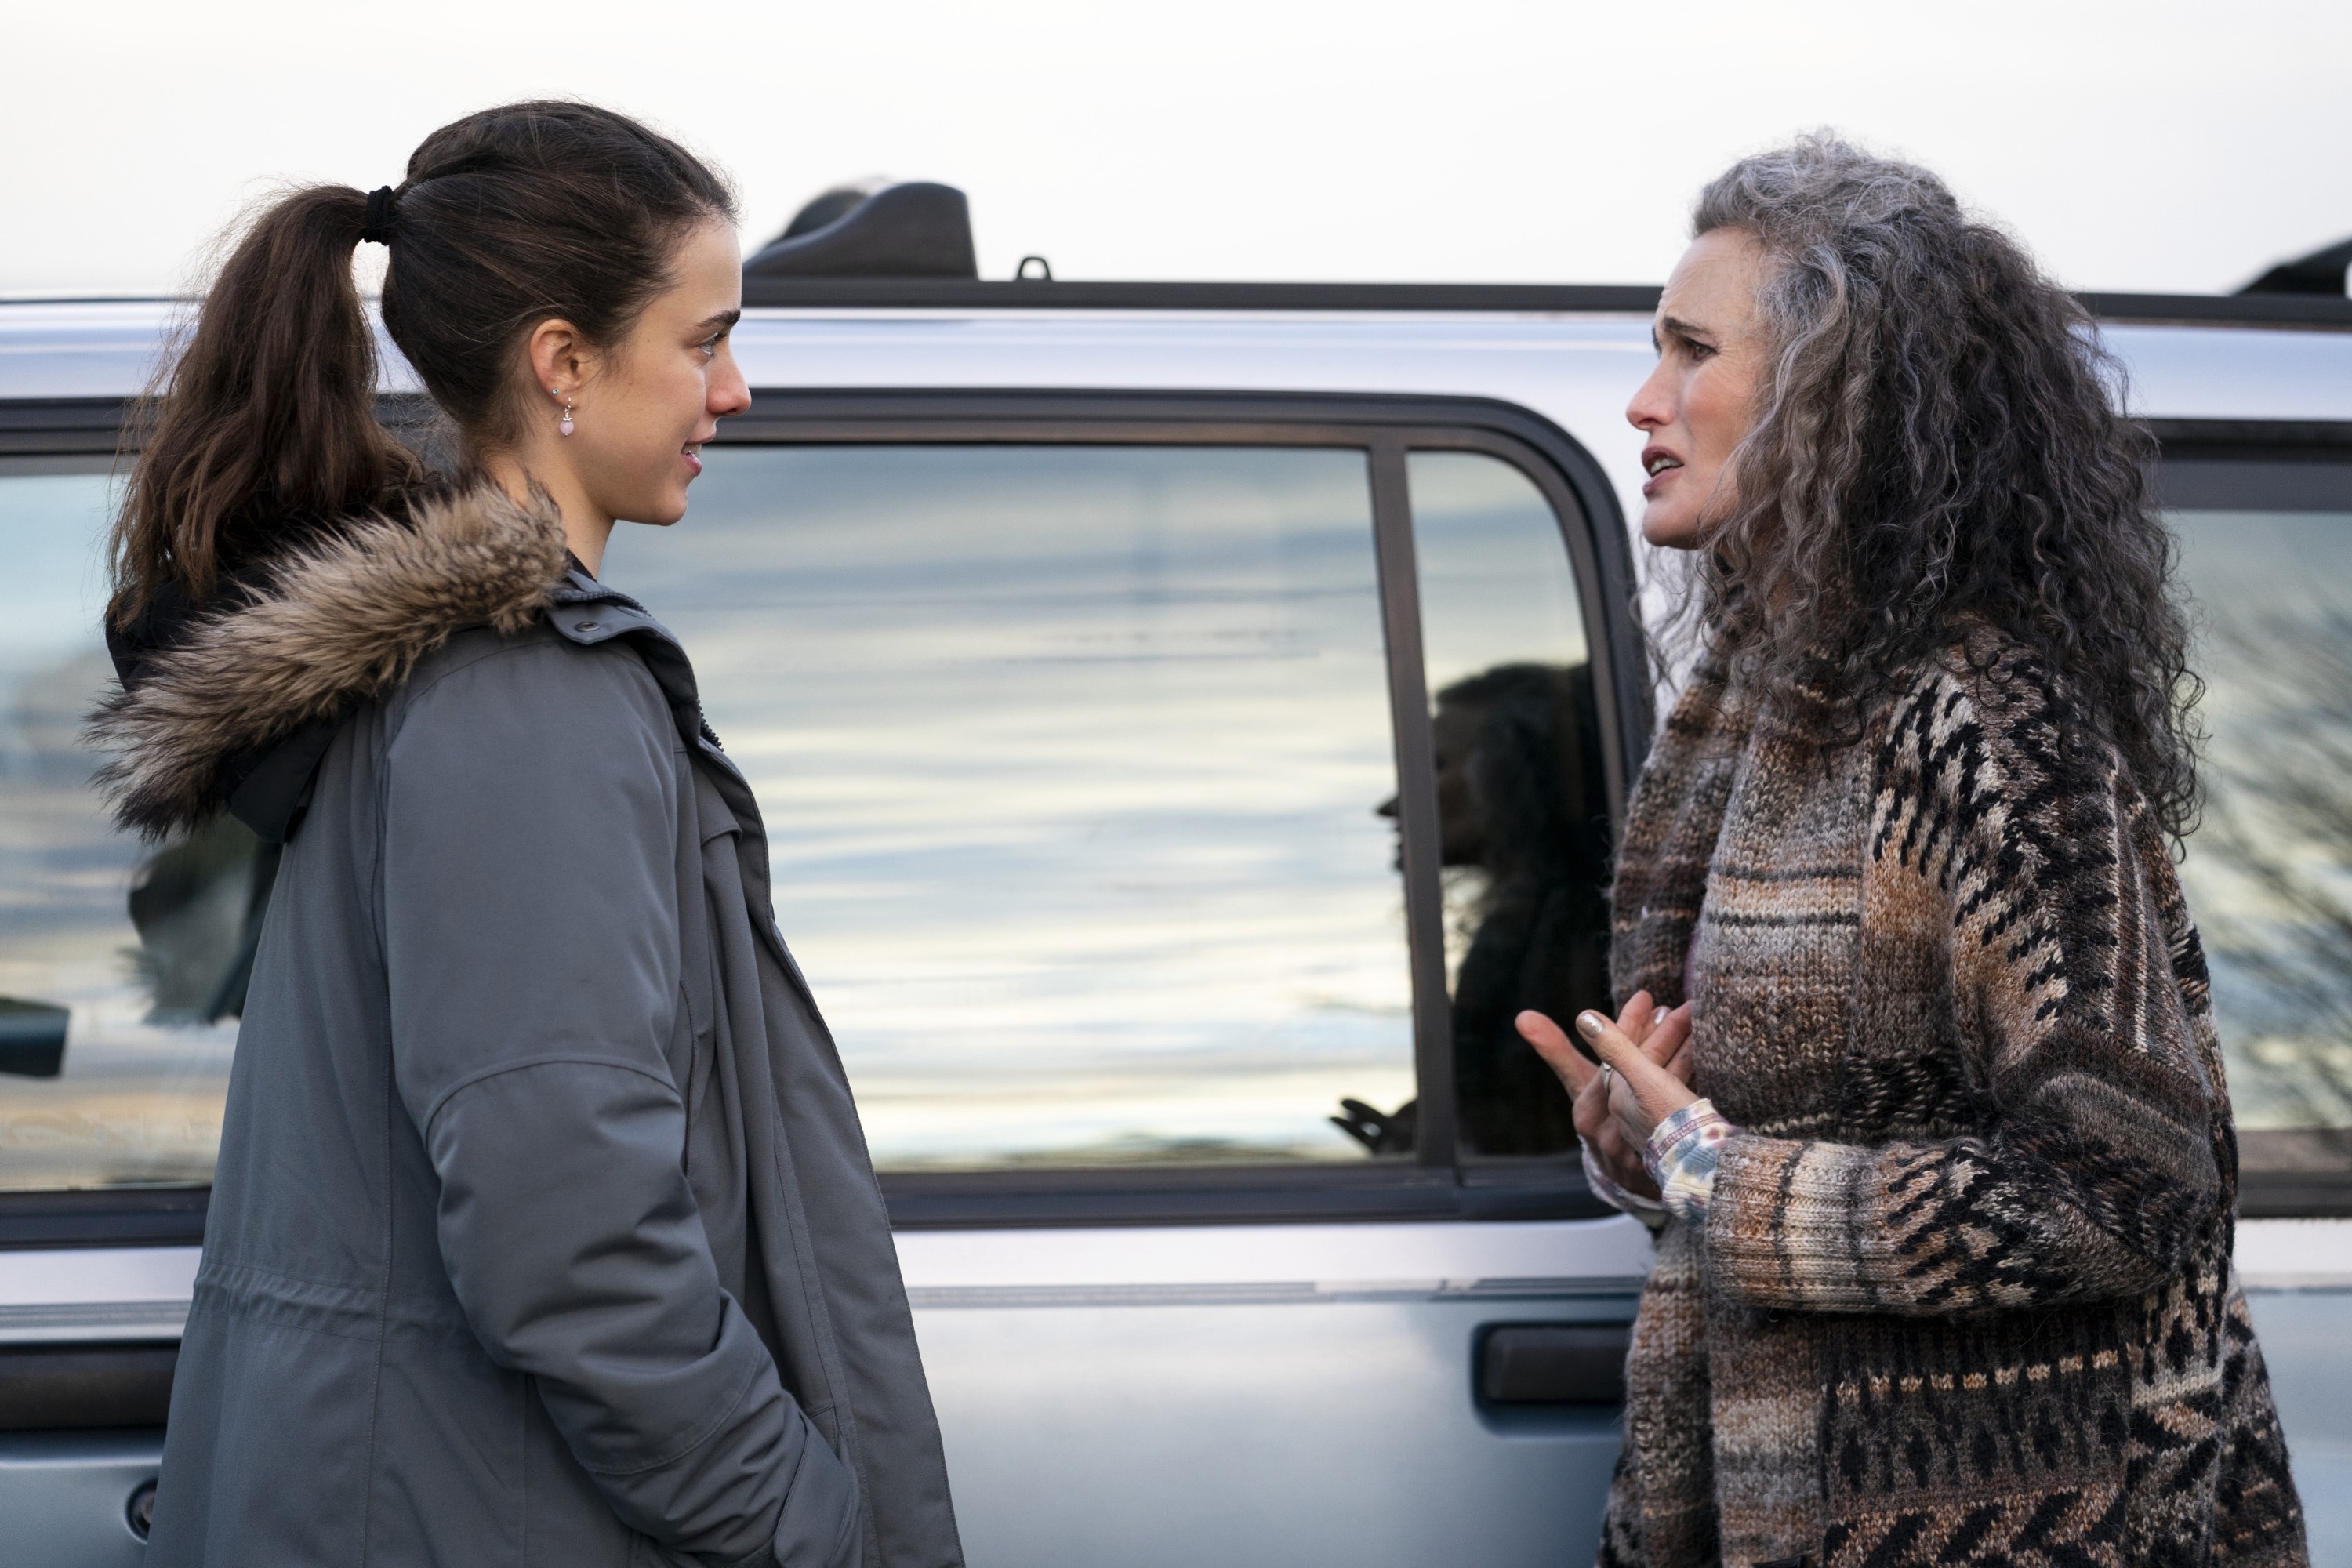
{"x": 2084, "y": 1028}
{"x": 528, "y": 902}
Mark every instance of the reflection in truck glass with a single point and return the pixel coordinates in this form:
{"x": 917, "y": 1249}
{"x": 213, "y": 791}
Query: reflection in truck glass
{"x": 119, "y": 964}
{"x": 1071, "y": 757}
{"x": 2269, "y": 871}
{"x": 1522, "y": 797}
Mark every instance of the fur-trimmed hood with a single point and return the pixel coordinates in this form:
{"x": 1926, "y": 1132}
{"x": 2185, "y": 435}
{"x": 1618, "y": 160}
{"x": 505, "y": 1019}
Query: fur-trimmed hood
{"x": 341, "y": 621}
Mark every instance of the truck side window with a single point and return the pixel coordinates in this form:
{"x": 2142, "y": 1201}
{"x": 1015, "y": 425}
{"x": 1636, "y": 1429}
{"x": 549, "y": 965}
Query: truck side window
{"x": 1522, "y": 796}
{"x": 2269, "y": 869}
{"x": 1073, "y": 758}
{"x": 121, "y": 964}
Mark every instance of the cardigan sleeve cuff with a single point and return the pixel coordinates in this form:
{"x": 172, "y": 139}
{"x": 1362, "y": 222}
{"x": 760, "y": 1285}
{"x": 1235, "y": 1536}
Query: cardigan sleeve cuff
{"x": 1786, "y": 1226}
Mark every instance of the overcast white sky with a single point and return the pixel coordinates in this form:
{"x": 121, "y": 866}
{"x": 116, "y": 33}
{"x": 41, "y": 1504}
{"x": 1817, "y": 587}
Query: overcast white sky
{"x": 2150, "y": 145}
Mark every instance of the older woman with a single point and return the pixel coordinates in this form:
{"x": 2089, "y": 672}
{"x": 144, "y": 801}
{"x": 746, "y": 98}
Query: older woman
{"x": 1916, "y": 1055}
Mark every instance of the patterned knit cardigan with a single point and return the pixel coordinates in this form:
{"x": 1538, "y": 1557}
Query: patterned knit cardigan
{"x": 1963, "y": 1291}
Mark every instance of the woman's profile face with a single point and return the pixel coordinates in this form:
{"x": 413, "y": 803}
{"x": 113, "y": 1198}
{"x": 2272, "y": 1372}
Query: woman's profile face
{"x": 1697, "y": 405}
{"x": 644, "y": 410}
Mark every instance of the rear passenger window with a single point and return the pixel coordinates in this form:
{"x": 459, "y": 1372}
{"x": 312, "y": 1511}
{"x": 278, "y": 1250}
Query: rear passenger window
{"x": 2268, "y": 870}
{"x": 1073, "y": 760}
{"x": 120, "y": 964}
{"x": 1522, "y": 792}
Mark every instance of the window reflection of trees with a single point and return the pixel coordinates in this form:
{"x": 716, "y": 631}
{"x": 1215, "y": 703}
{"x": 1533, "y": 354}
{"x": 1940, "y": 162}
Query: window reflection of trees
{"x": 2270, "y": 869}
{"x": 1067, "y": 754}
{"x": 115, "y": 1038}
{"x": 195, "y": 903}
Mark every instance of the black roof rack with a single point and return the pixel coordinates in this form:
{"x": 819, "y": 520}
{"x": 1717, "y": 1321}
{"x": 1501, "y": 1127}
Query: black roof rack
{"x": 2322, "y": 274}
{"x": 1567, "y": 298}
{"x": 974, "y": 293}
{"x": 915, "y": 229}
{"x": 877, "y": 244}
{"x": 2223, "y": 309}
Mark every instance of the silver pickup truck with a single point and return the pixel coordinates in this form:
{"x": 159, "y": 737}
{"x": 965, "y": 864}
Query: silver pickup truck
{"x": 1192, "y": 719}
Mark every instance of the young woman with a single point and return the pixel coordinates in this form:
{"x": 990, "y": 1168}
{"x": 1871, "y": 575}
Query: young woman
{"x": 1917, "y": 1077}
{"x": 543, "y": 1229}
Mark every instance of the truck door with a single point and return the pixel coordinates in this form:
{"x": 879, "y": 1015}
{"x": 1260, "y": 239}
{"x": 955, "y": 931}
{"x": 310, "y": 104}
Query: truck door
{"x": 1173, "y": 801}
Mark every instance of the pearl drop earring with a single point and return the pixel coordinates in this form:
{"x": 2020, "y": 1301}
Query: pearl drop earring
{"x": 564, "y": 426}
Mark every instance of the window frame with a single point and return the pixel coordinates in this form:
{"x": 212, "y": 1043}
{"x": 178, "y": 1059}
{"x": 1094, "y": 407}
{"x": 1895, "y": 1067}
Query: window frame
{"x": 1436, "y": 1184}
{"x": 2269, "y": 465}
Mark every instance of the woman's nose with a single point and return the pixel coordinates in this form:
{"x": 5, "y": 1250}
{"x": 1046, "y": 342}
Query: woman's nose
{"x": 730, "y": 394}
{"x": 1652, "y": 405}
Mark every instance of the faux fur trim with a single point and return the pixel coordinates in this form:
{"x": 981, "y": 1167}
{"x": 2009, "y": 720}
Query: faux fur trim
{"x": 343, "y": 620}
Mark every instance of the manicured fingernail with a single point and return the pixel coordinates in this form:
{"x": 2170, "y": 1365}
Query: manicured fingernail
{"x": 1589, "y": 1024}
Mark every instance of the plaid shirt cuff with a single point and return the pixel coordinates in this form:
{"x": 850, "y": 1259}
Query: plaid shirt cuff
{"x": 1681, "y": 1155}
{"x": 1648, "y": 1211}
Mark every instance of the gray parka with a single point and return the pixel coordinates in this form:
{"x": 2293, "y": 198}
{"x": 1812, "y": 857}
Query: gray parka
{"x": 543, "y": 1230}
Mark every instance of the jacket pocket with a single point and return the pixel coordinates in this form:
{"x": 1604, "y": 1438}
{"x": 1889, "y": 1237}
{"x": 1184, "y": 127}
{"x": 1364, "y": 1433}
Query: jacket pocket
{"x": 645, "y": 1551}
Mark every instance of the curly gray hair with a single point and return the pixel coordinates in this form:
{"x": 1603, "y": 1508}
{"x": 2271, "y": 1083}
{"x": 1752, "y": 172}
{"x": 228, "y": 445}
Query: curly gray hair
{"x": 1938, "y": 442}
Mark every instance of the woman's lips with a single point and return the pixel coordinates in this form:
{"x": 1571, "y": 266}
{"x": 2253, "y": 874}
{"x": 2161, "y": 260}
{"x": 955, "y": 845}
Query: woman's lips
{"x": 693, "y": 460}
{"x": 1659, "y": 463}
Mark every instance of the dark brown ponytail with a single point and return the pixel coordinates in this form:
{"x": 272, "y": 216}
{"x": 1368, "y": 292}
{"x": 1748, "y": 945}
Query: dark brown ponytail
{"x": 270, "y": 412}
{"x": 266, "y": 429}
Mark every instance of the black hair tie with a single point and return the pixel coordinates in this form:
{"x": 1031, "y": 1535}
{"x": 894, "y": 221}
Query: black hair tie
{"x": 377, "y": 230}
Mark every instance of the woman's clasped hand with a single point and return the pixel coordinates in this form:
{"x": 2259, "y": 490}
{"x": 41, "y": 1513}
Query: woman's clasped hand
{"x": 1644, "y": 1078}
